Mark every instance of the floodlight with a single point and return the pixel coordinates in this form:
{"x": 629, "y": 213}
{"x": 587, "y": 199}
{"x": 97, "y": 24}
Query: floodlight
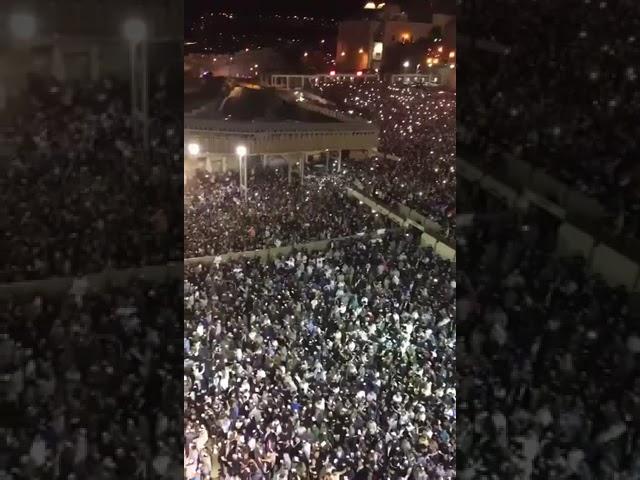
{"x": 135, "y": 30}
{"x": 193, "y": 149}
{"x": 22, "y": 25}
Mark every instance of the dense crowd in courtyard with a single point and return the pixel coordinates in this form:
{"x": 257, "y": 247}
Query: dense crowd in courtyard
{"x": 337, "y": 363}
{"x": 79, "y": 195}
{"x": 563, "y": 96}
{"x": 416, "y": 167}
{"x": 548, "y": 365}
{"x": 276, "y": 213}
{"x": 91, "y": 383}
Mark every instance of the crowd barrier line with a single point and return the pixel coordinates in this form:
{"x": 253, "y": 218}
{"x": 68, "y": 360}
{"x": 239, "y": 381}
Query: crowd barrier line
{"x": 56, "y": 286}
{"x": 439, "y": 245}
{"x": 616, "y": 268}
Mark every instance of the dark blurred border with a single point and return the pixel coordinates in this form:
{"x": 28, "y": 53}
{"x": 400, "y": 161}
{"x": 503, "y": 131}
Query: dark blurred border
{"x": 91, "y": 245}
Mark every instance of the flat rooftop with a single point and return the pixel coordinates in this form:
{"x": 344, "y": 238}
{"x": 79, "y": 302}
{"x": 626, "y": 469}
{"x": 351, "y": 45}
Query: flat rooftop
{"x": 226, "y": 101}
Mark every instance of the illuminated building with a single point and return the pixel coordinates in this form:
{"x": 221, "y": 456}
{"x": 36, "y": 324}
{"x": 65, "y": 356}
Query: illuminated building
{"x": 362, "y": 41}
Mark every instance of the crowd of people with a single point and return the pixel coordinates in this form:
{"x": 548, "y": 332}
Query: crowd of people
{"x": 549, "y": 366}
{"x": 333, "y": 363}
{"x": 217, "y": 219}
{"x": 91, "y": 383}
{"x": 90, "y": 377}
{"x": 79, "y": 194}
{"x": 416, "y": 167}
{"x": 337, "y": 363}
{"x": 563, "y": 94}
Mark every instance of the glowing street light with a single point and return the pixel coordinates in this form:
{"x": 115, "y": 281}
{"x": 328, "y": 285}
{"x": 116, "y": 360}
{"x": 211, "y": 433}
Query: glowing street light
{"x": 241, "y": 152}
{"x": 306, "y": 54}
{"x": 193, "y": 149}
{"x": 361, "y": 50}
{"x": 452, "y": 54}
{"x": 135, "y": 30}
{"x": 406, "y": 64}
{"x": 343, "y": 54}
{"x": 22, "y": 25}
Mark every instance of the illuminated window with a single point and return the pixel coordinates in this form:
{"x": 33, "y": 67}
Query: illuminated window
{"x": 377, "y": 51}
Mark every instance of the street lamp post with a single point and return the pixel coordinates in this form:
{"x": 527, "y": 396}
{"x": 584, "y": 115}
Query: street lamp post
{"x": 241, "y": 152}
{"x": 134, "y": 88}
{"x": 145, "y": 95}
{"x": 23, "y": 28}
{"x": 135, "y": 31}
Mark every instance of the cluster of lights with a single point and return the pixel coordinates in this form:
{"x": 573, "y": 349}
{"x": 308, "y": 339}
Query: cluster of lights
{"x": 361, "y": 51}
{"x": 435, "y": 58}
